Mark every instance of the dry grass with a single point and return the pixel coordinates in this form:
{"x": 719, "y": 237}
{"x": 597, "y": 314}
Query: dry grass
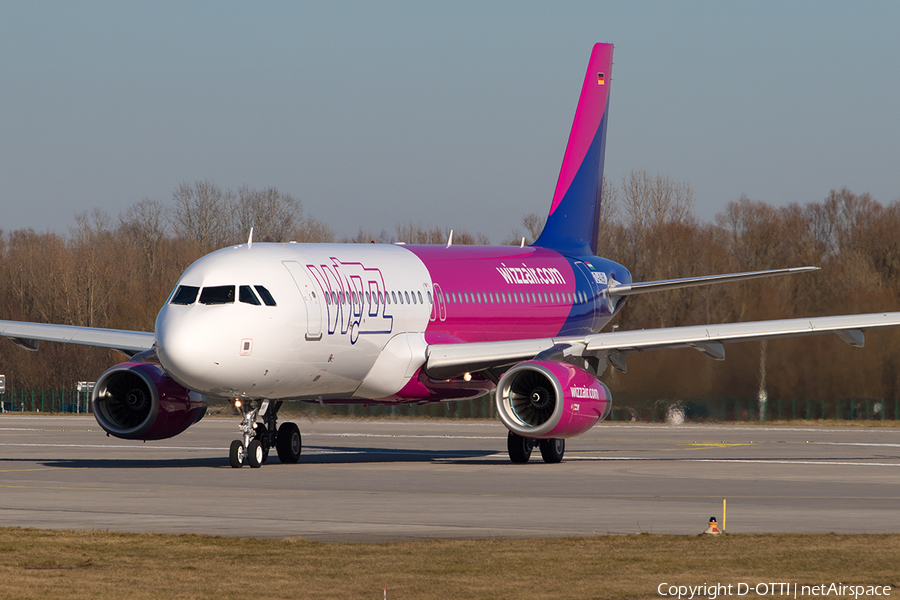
{"x": 94, "y": 565}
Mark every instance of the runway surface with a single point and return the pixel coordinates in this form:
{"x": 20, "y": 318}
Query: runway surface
{"x": 379, "y": 480}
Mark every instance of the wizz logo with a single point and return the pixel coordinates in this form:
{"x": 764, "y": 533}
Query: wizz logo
{"x": 354, "y": 298}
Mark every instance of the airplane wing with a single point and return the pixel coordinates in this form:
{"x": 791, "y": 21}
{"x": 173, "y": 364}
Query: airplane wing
{"x": 27, "y": 335}
{"x": 452, "y": 360}
{"x": 674, "y": 284}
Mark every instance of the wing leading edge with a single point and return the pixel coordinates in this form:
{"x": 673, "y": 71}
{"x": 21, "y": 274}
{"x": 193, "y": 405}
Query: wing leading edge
{"x": 27, "y": 335}
{"x": 452, "y": 360}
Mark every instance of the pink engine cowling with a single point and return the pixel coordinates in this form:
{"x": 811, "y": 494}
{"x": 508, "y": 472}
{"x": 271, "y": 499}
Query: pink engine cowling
{"x": 139, "y": 401}
{"x": 551, "y": 400}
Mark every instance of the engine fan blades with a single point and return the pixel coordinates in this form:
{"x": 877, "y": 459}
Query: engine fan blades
{"x": 532, "y": 398}
{"x": 127, "y": 400}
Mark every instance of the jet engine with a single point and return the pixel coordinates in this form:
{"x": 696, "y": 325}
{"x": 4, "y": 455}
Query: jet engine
{"x": 549, "y": 399}
{"x": 139, "y": 401}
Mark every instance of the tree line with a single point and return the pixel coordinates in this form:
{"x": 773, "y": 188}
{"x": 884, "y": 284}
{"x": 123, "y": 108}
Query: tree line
{"x": 116, "y": 272}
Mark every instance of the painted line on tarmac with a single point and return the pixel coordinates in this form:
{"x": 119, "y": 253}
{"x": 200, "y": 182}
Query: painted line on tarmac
{"x": 749, "y": 461}
{"x": 408, "y": 435}
{"x": 726, "y": 427}
{"x": 854, "y": 444}
{"x": 118, "y": 447}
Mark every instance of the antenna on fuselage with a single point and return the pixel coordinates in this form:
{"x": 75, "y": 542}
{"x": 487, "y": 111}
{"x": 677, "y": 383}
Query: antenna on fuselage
{"x": 522, "y": 245}
{"x": 450, "y": 239}
{"x": 250, "y": 239}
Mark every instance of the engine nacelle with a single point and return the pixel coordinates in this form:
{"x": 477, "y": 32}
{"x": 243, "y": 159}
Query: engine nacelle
{"x": 551, "y": 400}
{"x": 139, "y": 401}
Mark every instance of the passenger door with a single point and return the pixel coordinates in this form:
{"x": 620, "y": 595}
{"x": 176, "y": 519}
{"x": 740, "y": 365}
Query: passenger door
{"x": 310, "y": 298}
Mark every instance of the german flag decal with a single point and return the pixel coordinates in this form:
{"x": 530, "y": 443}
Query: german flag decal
{"x": 600, "y": 79}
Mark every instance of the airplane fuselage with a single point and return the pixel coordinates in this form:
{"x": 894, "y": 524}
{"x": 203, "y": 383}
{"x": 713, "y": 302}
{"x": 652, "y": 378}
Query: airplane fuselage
{"x": 353, "y": 320}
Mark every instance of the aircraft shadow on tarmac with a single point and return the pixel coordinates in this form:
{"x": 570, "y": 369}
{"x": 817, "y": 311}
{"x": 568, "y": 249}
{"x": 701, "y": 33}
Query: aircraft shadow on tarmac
{"x": 350, "y": 454}
{"x": 316, "y": 455}
{"x": 335, "y": 455}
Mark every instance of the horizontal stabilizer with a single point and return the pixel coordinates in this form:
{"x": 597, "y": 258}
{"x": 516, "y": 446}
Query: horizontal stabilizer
{"x": 674, "y": 284}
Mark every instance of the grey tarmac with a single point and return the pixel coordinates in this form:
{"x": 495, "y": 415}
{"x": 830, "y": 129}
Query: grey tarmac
{"x": 385, "y": 479}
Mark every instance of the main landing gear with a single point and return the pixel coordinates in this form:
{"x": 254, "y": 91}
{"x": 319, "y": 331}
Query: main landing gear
{"x": 258, "y": 437}
{"x": 520, "y": 448}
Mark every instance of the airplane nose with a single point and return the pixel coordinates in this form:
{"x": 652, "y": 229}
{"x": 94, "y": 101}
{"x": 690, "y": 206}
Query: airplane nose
{"x": 186, "y": 348}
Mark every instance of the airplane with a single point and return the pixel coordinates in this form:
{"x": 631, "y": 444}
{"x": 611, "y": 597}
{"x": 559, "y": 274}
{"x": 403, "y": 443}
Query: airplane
{"x": 266, "y": 323}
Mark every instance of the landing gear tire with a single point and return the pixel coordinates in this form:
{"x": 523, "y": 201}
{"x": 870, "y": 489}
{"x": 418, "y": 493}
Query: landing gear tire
{"x": 288, "y": 443}
{"x": 519, "y": 448}
{"x": 255, "y": 455}
{"x": 552, "y": 450}
{"x": 262, "y": 436}
{"x": 236, "y": 454}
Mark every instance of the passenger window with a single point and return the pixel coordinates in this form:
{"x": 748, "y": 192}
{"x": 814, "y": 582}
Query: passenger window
{"x": 220, "y": 294}
{"x": 186, "y": 294}
{"x": 430, "y": 300}
{"x": 246, "y": 295}
{"x": 407, "y": 296}
{"x": 368, "y": 301}
{"x": 419, "y": 294}
{"x": 267, "y": 298}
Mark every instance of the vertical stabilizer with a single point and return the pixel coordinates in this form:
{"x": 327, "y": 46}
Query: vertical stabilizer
{"x": 573, "y": 221}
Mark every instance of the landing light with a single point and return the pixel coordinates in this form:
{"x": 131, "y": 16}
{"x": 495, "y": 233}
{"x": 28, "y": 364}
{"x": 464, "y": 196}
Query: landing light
{"x": 467, "y": 377}
{"x": 237, "y": 402}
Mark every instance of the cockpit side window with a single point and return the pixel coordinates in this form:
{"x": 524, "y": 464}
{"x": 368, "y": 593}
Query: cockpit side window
{"x": 267, "y": 298}
{"x": 246, "y": 295}
{"x": 186, "y": 294}
{"x": 220, "y": 294}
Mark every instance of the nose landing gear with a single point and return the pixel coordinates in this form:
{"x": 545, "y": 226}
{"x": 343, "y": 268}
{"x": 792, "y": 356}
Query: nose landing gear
{"x": 258, "y": 437}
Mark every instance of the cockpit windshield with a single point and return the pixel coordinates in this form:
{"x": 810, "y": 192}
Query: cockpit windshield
{"x": 186, "y": 294}
{"x": 222, "y": 294}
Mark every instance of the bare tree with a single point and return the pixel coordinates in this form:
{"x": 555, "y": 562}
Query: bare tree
{"x": 201, "y": 214}
{"x": 92, "y": 249}
{"x": 145, "y": 225}
{"x": 653, "y": 200}
{"x": 313, "y": 231}
{"x": 273, "y": 215}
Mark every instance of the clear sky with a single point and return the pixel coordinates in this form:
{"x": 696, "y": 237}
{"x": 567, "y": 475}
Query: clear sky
{"x": 444, "y": 113}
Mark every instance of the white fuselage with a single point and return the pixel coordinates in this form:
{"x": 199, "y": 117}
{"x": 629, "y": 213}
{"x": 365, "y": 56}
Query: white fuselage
{"x": 305, "y": 345}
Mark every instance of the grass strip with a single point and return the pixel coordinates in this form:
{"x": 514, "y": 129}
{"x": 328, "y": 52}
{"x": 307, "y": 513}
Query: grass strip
{"x": 98, "y": 565}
